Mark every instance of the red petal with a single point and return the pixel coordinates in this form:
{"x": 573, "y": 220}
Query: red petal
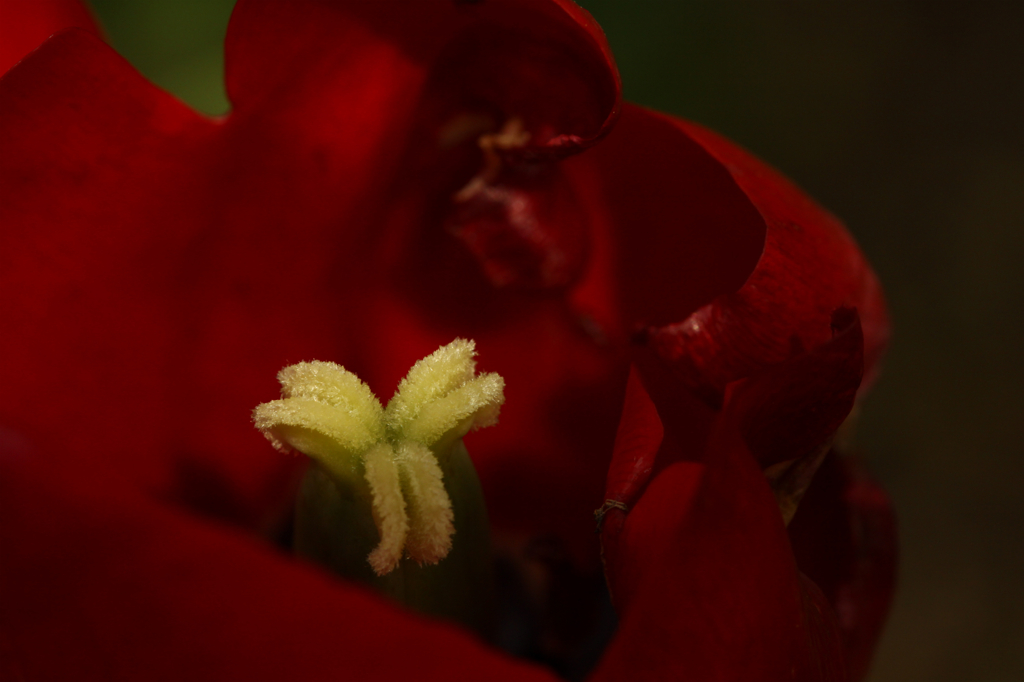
{"x": 706, "y": 585}
{"x": 25, "y": 24}
{"x": 789, "y": 410}
{"x": 99, "y": 185}
{"x": 670, "y": 230}
{"x": 154, "y": 309}
{"x": 546, "y": 61}
{"x": 636, "y": 444}
{"x": 844, "y": 537}
{"x": 680, "y": 230}
{"x": 106, "y": 584}
{"x": 809, "y": 268}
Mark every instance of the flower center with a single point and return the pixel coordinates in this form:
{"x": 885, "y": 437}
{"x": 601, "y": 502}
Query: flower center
{"x": 518, "y": 215}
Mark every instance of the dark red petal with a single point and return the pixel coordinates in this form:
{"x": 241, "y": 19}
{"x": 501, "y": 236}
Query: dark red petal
{"x": 844, "y": 537}
{"x": 677, "y": 229}
{"x": 636, "y": 444}
{"x": 545, "y": 61}
{"x": 25, "y": 24}
{"x": 114, "y": 244}
{"x": 90, "y": 156}
{"x": 790, "y": 409}
{"x": 825, "y": 658}
{"x": 706, "y": 585}
{"x": 810, "y": 267}
{"x": 106, "y": 584}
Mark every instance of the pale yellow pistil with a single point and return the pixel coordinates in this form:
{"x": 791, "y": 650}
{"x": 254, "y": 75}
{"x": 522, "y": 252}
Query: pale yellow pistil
{"x": 327, "y": 413}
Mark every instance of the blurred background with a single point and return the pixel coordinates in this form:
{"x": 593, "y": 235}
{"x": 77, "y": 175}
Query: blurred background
{"x": 906, "y": 120}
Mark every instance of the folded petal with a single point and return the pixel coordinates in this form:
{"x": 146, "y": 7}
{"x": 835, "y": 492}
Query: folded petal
{"x": 676, "y": 230}
{"x": 132, "y": 589}
{"x": 25, "y": 25}
{"x": 705, "y": 582}
{"x": 787, "y": 411}
{"x": 809, "y": 267}
{"x": 636, "y": 444}
{"x": 844, "y": 537}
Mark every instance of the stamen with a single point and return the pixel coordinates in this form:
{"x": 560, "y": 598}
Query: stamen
{"x": 329, "y": 383}
{"x": 430, "y": 534}
{"x": 327, "y": 413}
{"x": 301, "y": 424}
{"x": 389, "y": 511}
{"x": 435, "y": 376}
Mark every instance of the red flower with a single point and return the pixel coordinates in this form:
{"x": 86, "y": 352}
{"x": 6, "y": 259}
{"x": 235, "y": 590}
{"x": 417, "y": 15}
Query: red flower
{"x": 394, "y": 174}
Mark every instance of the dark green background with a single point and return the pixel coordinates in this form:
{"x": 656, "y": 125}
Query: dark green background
{"x": 907, "y": 120}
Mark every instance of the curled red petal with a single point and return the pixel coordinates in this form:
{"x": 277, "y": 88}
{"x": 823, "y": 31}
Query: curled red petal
{"x": 676, "y": 230}
{"x": 24, "y": 25}
{"x": 810, "y": 266}
{"x": 636, "y": 444}
{"x": 669, "y": 230}
{"x": 705, "y": 582}
{"x": 844, "y": 537}
{"x": 127, "y": 588}
{"x": 790, "y": 409}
